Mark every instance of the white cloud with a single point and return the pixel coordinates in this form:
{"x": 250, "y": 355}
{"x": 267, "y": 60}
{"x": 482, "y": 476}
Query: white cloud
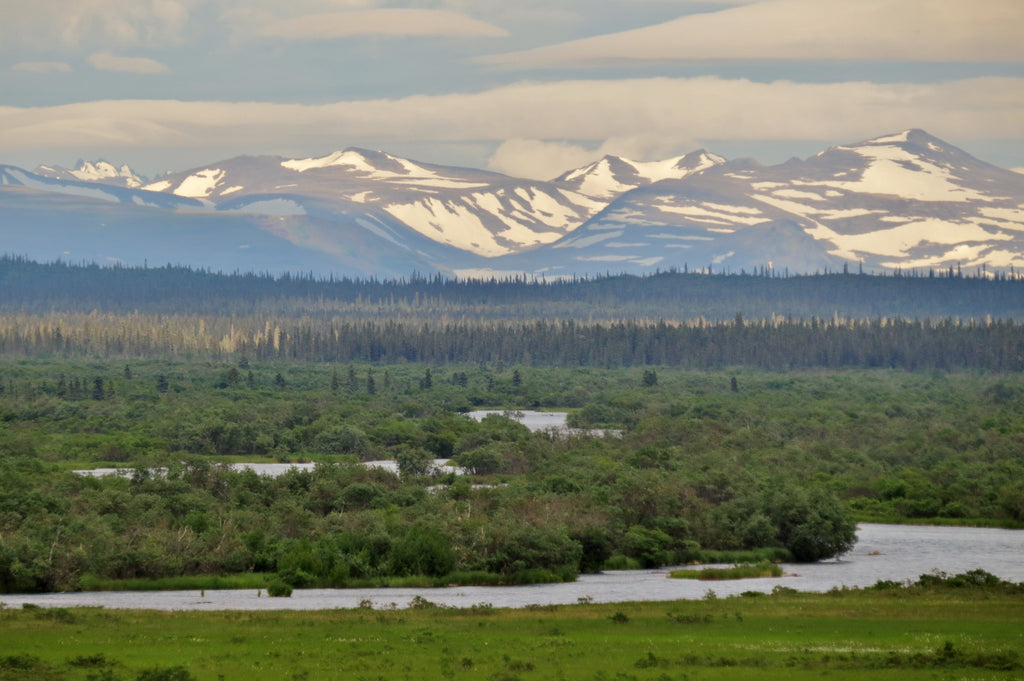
{"x": 567, "y": 116}
{"x": 910, "y": 30}
{"x": 41, "y": 67}
{"x": 538, "y": 159}
{"x": 389, "y": 22}
{"x": 105, "y": 61}
{"x": 544, "y": 160}
{"x": 1018, "y": 170}
{"x": 93, "y": 23}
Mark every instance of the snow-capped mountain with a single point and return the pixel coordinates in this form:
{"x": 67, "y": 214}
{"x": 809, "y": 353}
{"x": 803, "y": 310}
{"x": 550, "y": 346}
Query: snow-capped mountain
{"x": 613, "y": 175}
{"x": 483, "y": 213}
{"x": 46, "y": 219}
{"x": 906, "y": 200}
{"x": 102, "y": 191}
{"x": 100, "y": 171}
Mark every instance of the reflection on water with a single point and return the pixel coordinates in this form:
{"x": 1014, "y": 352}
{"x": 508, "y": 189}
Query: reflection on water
{"x": 889, "y": 552}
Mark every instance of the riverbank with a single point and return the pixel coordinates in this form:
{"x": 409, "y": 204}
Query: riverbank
{"x": 970, "y": 630}
{"x": 889, "y": 553}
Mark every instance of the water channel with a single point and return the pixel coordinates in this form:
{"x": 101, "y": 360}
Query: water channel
{"x": 534, "y": 420}
{"x": 882, "y": 552}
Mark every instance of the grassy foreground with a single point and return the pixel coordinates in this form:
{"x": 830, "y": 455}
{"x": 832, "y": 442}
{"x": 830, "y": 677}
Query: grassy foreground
{"x": 896, "y": 633}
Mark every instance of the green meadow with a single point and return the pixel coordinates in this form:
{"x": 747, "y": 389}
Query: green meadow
{"x": 938, "y": 631}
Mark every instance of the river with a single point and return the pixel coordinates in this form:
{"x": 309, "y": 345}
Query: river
{"x": 534, "y": 420}
{"x": 882, "y": 552}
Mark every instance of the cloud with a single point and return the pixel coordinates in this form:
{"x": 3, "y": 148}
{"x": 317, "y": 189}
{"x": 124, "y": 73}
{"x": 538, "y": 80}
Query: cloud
{"x": 105, "y": 61}
{"x": 559, "y": 117}
{"x": 93, "y": 23}
{"x": 538, "y": 159}
{"x": 544, "y": 160}
{"x": 41, "y": 67}
{"x": 385, "y": 22}
{"x": 869, "y": 30}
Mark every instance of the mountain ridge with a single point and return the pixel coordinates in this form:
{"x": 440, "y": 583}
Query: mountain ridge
{"x": 903, "y": 200}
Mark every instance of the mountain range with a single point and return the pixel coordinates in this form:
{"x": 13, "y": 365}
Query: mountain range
{"x": 906, "y": 201}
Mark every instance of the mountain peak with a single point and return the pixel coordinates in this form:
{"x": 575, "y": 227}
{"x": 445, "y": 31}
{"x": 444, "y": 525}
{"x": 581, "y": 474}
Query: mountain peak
{"x": 614, "y": 175}
{"x": 351, "y": 157}
{"x": 100, "y": 171}
{"x": 912, "y": 138}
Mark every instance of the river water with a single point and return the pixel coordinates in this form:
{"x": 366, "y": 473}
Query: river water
{"x": 882, "y": 552}
{"x": 534, "y": 420}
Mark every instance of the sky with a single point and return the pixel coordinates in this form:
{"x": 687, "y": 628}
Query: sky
{"x": 526, "y": 87}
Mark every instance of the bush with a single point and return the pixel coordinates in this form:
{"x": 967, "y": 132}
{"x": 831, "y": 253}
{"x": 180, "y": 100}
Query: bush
{"x": 620, "y": 562}
{"x": 279, "y": 589}
{"x": 176, "y": 673}
{"x": 20, "y": 662}
{"x": 749, "y": 571}
{"x": 422, "y": 551}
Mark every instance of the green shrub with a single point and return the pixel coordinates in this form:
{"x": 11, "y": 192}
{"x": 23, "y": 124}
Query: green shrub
{"x": 620, "y": 562}
{"x": 749, "y": 571}
{"x": 422, "y": 551}
{"x": 279, "y": 589}
{"x": 176, "y": 673}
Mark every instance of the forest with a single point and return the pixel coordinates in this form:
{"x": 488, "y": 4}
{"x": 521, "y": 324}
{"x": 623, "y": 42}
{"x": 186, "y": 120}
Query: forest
{"x": 35, "y": 288}
{"x": 730, "y": 440}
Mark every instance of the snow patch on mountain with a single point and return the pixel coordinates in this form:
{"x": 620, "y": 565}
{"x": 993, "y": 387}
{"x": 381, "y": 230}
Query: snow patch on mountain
{"x": 895, "y": 170}
{"x": 383, "y": 167}
{"x": 898, "y": 241}
{"x": 102, "y": 172}
{"x": 18, "y": 176}
{"x": 714, "y": 212}
{"x": 799, "y": 194}
{"x": 898, "y": 138}
{"x": 453, "y": 223}
{"x": 159, "y": 186}
{"x": 1009, "y": 214}
{"x": 598, "y": 180}
{"x": 374, "y": 228}
{"x": 201, "y": 184}
{"x": 439, "y": 183}
{"x": 612, "y": 176}
{"x": 589, "y": 240}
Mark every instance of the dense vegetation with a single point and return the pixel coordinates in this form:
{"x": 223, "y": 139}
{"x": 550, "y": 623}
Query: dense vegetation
{"x": 721, "y": 461}
{"x": 775, "y": 345}
{"x": 29, "y": 287}
{"x": 960, "y": 627}
{"x": 175, "y": 371}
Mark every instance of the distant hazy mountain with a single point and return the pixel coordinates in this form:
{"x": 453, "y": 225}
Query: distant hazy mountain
{"x": 907, "y": 201}
{"x": 95, "y": 171}
{"x": 483, "y": 213}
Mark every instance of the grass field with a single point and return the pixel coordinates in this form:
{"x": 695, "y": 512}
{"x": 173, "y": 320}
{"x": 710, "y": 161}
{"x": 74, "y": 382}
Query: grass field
{"x": 903, "y": 634}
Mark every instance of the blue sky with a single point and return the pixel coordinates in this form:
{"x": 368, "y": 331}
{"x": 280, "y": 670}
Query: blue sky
{"x": 531, "y": 87}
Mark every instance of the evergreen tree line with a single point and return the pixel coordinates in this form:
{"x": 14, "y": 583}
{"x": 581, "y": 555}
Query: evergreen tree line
{"x": 994, "y": 345}
{"x": 30, "y": 287}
